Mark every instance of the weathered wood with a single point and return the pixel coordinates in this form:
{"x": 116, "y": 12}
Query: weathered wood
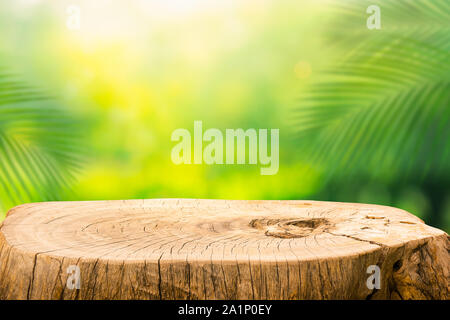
{"x": 219, "y": 249}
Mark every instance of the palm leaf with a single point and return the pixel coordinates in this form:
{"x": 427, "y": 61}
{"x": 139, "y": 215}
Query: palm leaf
{"x": 384, "y": 109}
{"x": 39, "y": 149}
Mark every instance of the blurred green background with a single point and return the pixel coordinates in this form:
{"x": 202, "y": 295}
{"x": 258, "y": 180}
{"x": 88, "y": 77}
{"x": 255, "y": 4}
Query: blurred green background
{"x": 364, "y": 115}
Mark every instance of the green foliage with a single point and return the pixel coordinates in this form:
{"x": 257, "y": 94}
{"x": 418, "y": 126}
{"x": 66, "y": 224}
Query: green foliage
{"x": 38, "y": 155}
{"x": 384, "y": 110}
{"x": 373, "y": 118}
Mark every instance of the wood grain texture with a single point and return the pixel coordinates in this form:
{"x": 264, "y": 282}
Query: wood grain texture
{"x": 219, "y": 249}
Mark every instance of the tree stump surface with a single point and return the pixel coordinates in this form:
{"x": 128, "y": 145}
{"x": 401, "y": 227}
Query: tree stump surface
{"x": 219, "y": 249}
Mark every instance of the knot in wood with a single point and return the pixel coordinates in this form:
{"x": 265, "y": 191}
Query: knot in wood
{"x": 291, "y": 227}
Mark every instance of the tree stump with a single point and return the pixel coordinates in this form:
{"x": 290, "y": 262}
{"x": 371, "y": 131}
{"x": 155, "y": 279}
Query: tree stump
{"x": 220, "y": 249}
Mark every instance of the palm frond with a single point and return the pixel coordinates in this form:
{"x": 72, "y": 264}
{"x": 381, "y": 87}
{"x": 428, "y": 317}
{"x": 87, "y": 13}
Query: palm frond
{"x": 385, "y": 108}
{"x": 38, "y": 145}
